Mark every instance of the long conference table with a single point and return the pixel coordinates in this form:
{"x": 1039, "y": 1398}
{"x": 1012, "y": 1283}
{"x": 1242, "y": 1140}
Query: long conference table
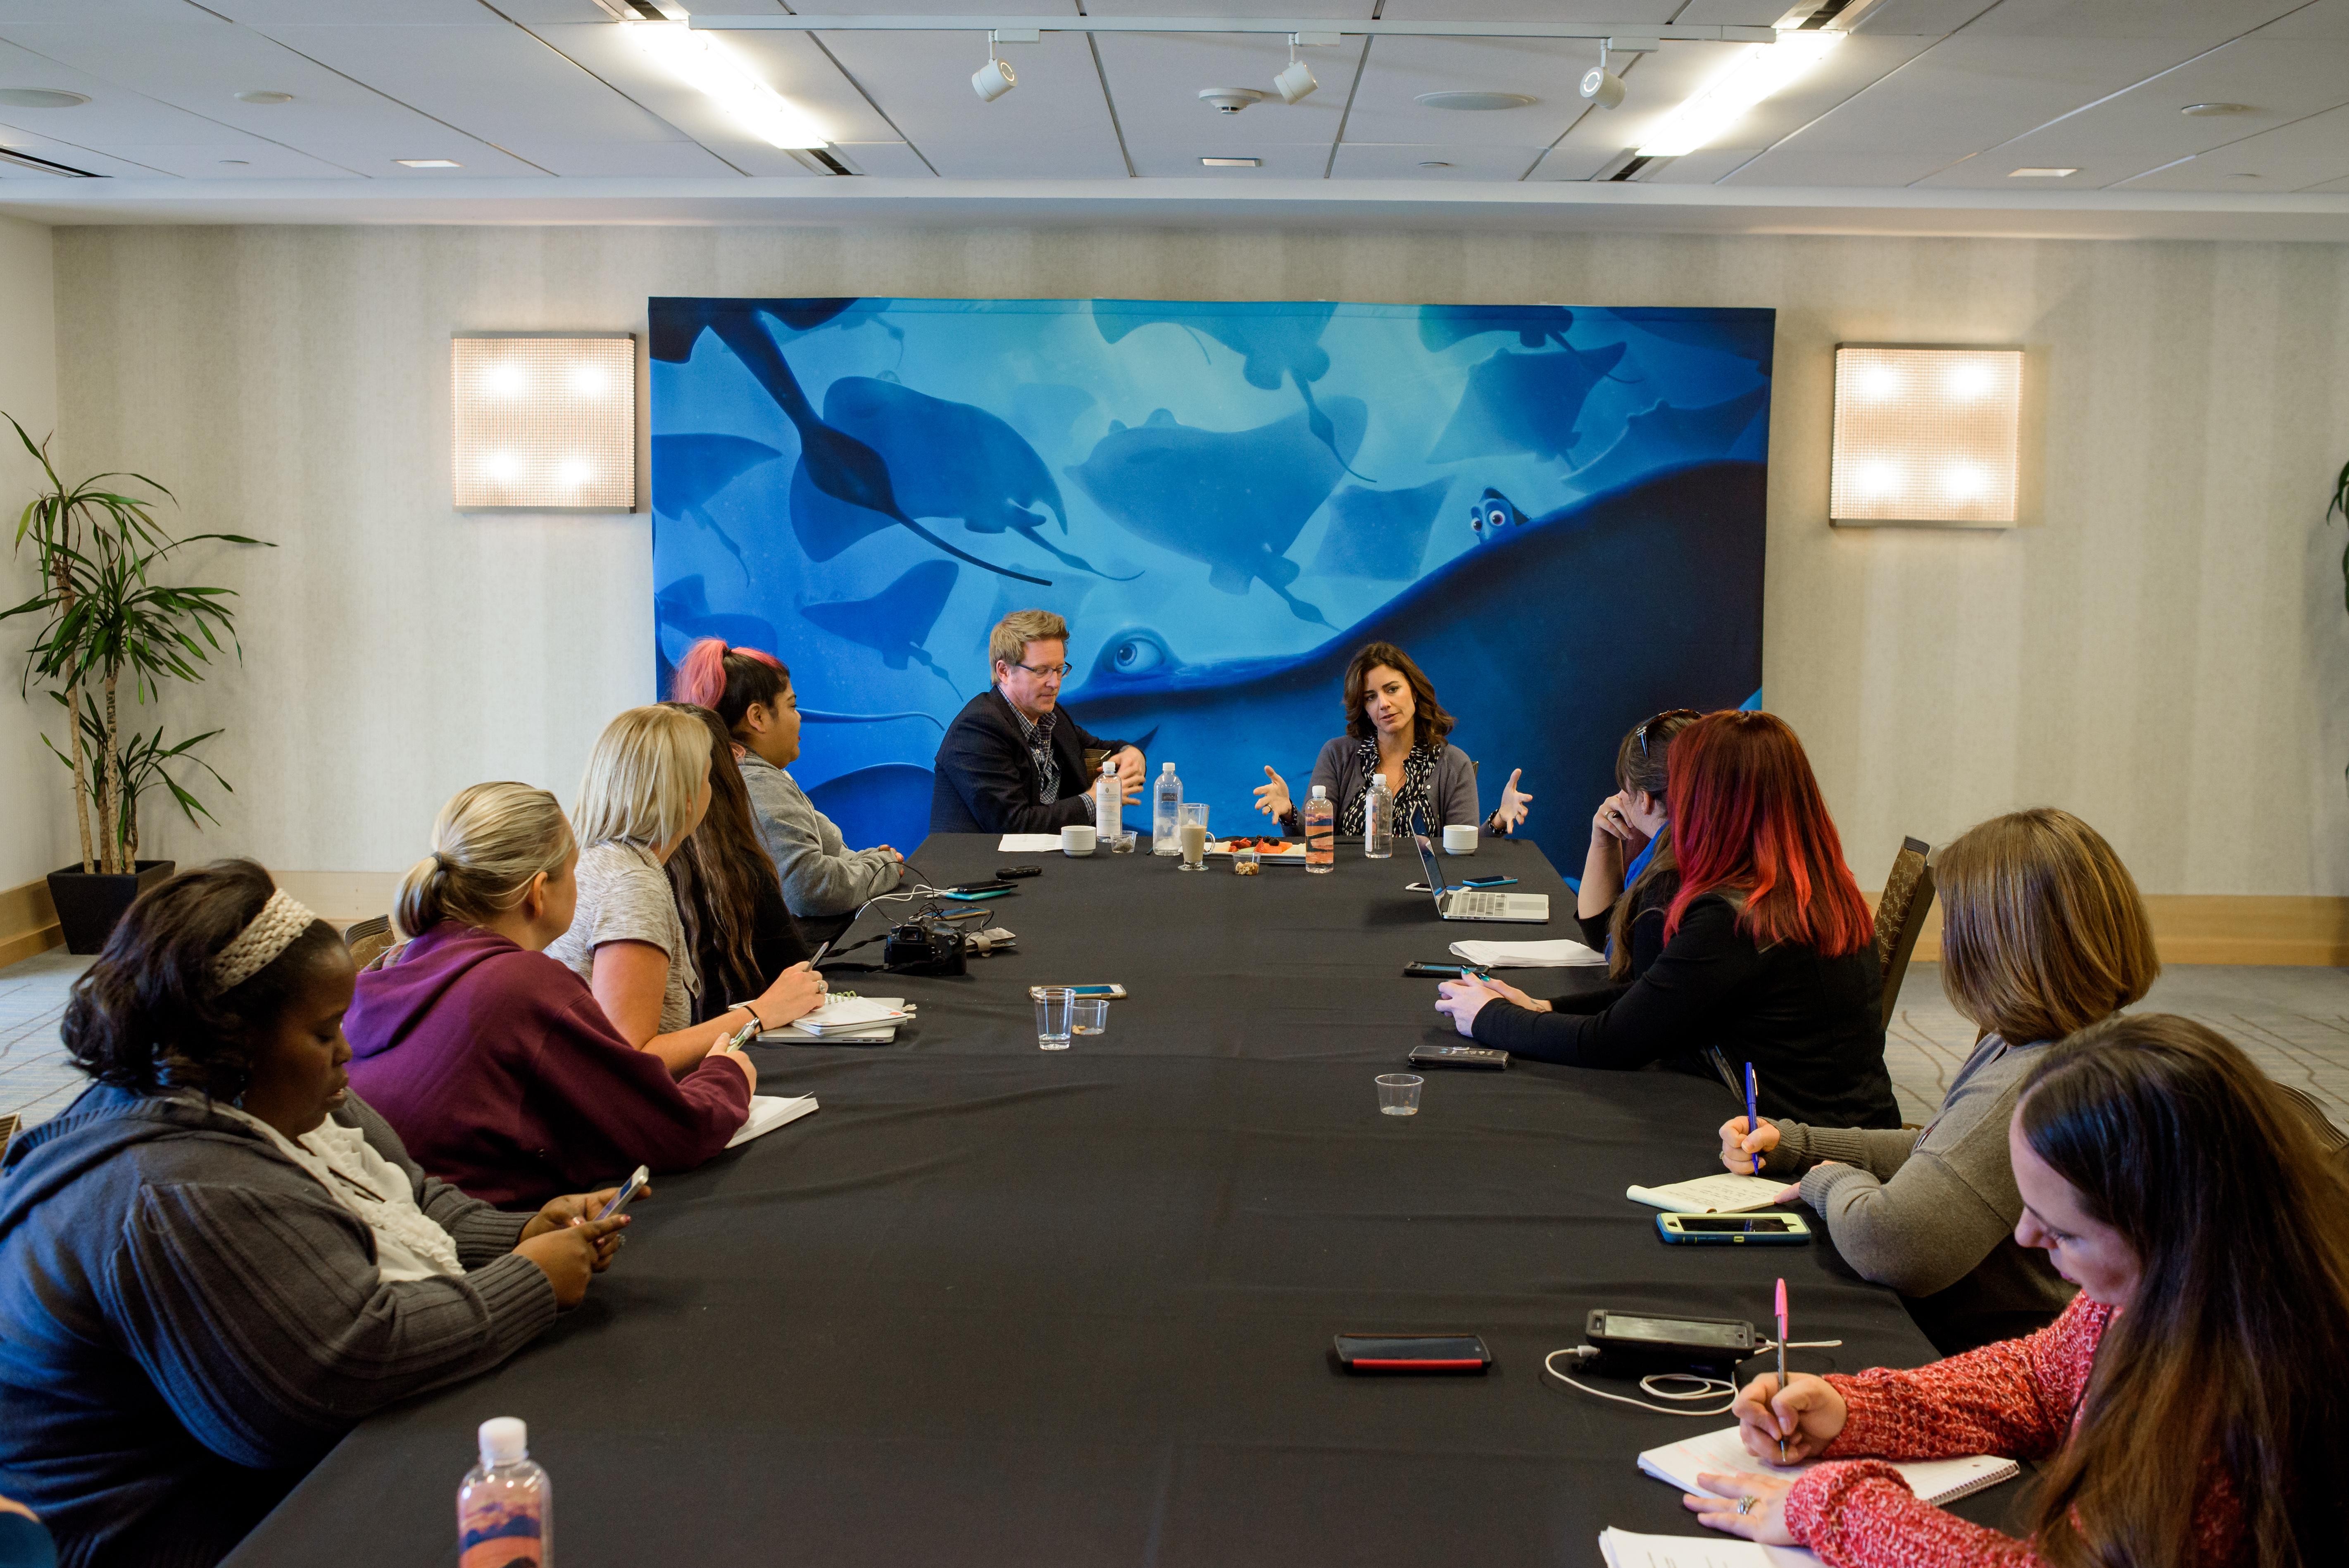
{"x": 992, "y": 1305}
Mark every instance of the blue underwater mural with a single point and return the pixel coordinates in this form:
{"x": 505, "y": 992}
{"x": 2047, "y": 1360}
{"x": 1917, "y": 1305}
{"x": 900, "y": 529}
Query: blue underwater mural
{"x": 1558, "y": 511}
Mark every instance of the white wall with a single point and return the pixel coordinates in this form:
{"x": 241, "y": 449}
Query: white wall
{"x": 35, "y": 835}
{"x": 2162, "y": 650}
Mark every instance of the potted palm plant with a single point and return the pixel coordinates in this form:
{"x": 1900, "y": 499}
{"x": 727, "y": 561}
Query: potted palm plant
{"x": 104, "y": 623}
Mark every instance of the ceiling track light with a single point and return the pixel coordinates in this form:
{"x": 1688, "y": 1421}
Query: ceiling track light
{"x": 996, "y": 77}
{"x": 1294, "y": 84}
{"x": 1599, "y": 84}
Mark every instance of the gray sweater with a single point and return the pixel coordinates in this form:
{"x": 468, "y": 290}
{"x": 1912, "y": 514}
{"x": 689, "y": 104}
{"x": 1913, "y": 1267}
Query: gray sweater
{"x": 1339, "y": 768}
{"x": 1932, "y": 1213}
{"x": 819, "y": 875}
{"x": 189, "y": 1321}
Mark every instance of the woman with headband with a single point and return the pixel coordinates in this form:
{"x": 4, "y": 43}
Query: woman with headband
{"x": 217, "y": 1260}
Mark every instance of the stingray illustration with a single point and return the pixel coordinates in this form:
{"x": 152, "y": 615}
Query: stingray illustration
{"x": 836, "y": 463}
{"x": 1523, "y": 403}
{"x": 1662, "y": 435}
{"x": 1443, "y": 325}
{"x": 1233, "y": 499}
{"x": 949, "y": 460}
{"x": 893, "y": 621}
{"x": 1272, "y": 341}
{"x": 1546, "y": 599}
{"x": 1379, "y": 534}
{"x": 1742, "y": 334}
{"x": 687, "y": 470}
{"x": 682, "y": 615}
{"x": 1043, "y": 410}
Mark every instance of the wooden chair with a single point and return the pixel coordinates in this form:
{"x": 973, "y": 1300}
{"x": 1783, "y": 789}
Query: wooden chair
{"x": 8, "y": 1125}
{"x": 1900, "y": 915}
{"x": 2329, "y": 1138}
{"x": 368, "y": 940}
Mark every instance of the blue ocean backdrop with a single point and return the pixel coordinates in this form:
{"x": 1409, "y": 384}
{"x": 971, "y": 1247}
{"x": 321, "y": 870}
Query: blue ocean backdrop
{"x": 1558, "y": 511}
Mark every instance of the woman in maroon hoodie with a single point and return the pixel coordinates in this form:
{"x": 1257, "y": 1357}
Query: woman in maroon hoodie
{"x": 492, "y": 1061}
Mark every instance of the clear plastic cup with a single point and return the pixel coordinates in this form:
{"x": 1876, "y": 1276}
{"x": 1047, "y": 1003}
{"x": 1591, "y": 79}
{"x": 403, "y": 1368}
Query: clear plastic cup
{"x": 1054, "y": 1005}
{"x": 1090, "y": 1016}
{"x": 1124, "y": 843}
{"x": 1399, "y": 1094}
{"x": 1191, "y": 834}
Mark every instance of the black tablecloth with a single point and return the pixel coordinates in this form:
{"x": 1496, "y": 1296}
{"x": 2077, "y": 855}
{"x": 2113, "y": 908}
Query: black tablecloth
{"x": 992, "y": 1304}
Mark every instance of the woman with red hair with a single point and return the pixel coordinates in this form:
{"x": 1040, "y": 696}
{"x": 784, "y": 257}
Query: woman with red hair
{"x": 1769, "y": 950}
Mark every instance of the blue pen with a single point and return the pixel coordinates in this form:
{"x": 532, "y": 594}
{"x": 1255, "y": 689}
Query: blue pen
{"x": 1753, "y": 1123}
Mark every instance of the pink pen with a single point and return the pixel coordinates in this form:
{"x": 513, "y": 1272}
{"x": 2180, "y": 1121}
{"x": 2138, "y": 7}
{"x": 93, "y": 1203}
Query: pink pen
{"x": 1782, "y": 1357}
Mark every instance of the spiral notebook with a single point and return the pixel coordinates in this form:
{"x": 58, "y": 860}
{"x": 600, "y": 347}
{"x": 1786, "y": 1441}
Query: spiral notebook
{"x": 1721, "y": 1193}
{"x": 1622, "y": 1549}
{"x": 1936, "y": 1482}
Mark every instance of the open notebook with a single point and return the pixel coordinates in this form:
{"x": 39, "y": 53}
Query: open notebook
{"x": 768, "y": 1112}
{"x": 1936, "y": 1482}
{"x": 1622, "y": 1549}
{"x": 1720, "y": 1194}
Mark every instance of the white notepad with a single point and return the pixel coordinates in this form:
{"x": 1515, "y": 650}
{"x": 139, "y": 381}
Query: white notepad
{"x": 1559, "y": 954}
{"x": 849, "y": 1013}
{"x": 1027, "y": 843}
{"x": 768, "y": 1112}
{"x": 1936, "y": 1482}
{"x": 1622, "y": 1549}
{"x": 1721, "y": 1194}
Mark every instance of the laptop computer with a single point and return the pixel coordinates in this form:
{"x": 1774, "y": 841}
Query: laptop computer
{"x": 1475, "y": 904}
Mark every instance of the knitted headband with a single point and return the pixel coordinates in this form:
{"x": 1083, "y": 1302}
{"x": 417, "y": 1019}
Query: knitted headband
{"x": 269, "y": 934}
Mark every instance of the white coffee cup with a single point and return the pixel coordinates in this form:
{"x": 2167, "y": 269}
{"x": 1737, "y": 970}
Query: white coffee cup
{"x": 1078, "y": 838}
{"x": 1460, "y": 839}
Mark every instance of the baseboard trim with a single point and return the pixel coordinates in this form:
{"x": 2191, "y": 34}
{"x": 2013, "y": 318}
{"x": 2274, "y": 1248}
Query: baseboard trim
{"x": 2223, "y": 928}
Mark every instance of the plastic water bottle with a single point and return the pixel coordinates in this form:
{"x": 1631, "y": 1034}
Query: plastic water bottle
{"x": 1320, "y": 832}
{"x": 506, "y": 1509}
{"x": 1378, "y": 819}
{"x": 1109, "y": 807}
{"x": 1165, "y": 811}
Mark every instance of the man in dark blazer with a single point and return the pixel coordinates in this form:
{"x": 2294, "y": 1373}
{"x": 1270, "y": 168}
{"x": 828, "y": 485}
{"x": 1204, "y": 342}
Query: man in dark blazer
{"x": 1013, "y": 761}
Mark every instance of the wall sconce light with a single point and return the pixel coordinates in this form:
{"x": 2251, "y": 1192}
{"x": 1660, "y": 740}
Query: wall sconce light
{"x": 545, "y": 421}
{"x": 1926, "y": 434}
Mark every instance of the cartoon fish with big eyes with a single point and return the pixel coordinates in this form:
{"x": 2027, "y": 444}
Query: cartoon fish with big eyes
{"x": 1494, "y": 513}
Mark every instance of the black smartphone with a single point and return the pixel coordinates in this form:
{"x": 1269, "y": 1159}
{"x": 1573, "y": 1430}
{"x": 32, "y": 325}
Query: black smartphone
{"x": 1433, "y": 971}
{"x": 1389, "y": 1352}
{"x": 1457, "y": 1056}
{"x": 1008, "y": 871}
{"x": 998, "y": 885}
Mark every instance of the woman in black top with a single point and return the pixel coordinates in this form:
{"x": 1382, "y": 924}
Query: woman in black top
{"x": 1768, "y": 952}
{"x": 728, "y": 893}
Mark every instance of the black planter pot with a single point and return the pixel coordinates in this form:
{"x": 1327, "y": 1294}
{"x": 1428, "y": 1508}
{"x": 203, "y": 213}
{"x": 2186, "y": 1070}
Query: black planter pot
{"x": 89, "y": 902}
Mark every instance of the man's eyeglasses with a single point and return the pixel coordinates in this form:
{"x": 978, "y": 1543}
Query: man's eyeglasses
{"x": 1641, "y": 734}
{"x": 1060, "y": 669}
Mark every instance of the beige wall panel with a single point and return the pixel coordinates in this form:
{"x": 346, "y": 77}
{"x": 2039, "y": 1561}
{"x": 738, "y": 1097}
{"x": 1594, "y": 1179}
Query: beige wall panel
{"x": 36, "y": 834}
{"x": 2160, "y": 648}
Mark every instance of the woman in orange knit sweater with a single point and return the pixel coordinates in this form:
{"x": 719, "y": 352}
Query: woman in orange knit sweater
{"x": 2190, "y": 1408}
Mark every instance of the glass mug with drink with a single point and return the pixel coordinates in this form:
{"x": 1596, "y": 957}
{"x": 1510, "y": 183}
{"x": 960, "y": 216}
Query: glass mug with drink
{"x": 1192, "y": 835}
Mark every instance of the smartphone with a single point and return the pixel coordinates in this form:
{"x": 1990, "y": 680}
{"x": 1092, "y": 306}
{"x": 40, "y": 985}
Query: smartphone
{"x": 1114, "y": 993}
{"x": 961, "y": 897}
{"x": 1433, "y": 971}
{"x": 998, "y": 885}
{"x": 1458, "y": 1057}
{"x": 1005, "y": 872}
{"x": 1650, "y": 1333}
{"x": 1452, "y": 1353}
{"x": 1490, "y": 881}
{"x": 1772, "y": 1229}
{"x": 627, "y": 1192}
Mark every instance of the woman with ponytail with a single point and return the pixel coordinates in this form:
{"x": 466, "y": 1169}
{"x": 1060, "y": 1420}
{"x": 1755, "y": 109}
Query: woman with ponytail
{"x": 2189, "y": 1409}
{"x": 495, "y": 1063}
{"x": 752, "y": 692}
{"x": 1768, "y": 956}
{"x": 219, "y": 1259}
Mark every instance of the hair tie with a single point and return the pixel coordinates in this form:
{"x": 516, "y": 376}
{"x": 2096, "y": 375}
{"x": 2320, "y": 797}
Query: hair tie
{"x": 443, "y": 861}
{"x": 254, "y": 949}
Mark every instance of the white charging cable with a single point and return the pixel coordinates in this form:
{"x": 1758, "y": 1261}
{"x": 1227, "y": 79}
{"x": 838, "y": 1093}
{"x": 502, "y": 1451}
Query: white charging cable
{"x": 1704, "y": 1388}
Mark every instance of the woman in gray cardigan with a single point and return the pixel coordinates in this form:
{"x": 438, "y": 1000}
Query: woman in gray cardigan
{"x": 217, "y": 1260}
{"x": 1396, "y": 728}
{"x": 2043, "y": 933}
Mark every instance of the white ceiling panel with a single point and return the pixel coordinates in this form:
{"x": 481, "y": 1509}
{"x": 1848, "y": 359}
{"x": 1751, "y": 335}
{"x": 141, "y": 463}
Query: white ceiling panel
{"x": 113, "y": 11}
{"x": 796, "y": 67}
{"x": 1572, "y": 160}
{"x": 241, "y": 158}
{"x": 1179, "y": 159}
{"x": 1792, "y": 166}
{"x": 351, "y": 12}
{"x": 1706, "y": 166}
{"x": 1053, "y": 125}
{"x": 16, "y": 138}
{"x": 1653, "y": 12}
{"x": 1654, "y": 85}
{"x": 2309, "y": 153}
{"x": 882, "y": 159}
{"x": 1850, "y": 68}
{"x": 494, "y": 81}
{"x": 1933, "y": 18}
{"x": 2194, "y": 24}
{"x": 115, "y": 113}
{"x": 2327, "y": 19}
{"x": 1156, "y": 77}
{"x": 1333, "y": 10}
{"x": 1966, "y": 93}
{"x": 1399, "y": 69}
{"x": 534, "y": 14}
{"x": 1469, "y": 162}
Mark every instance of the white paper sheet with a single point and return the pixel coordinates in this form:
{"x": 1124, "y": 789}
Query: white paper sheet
{"x": 768, "y": 1112}
{"x": 1559, "y": 954}
{"x": 1027, "y": 843}
{"x": 1622, "y": 1549}
{"x": 1721, "y": 1194}
{"x": 1936, "y": 1482}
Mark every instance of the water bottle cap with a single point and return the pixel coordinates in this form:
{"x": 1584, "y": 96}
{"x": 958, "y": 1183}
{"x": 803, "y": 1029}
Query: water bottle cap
{"x": 504, "y": 1439}
{"x": 1166, "y": 767}
{"x": 1320, "y": 791}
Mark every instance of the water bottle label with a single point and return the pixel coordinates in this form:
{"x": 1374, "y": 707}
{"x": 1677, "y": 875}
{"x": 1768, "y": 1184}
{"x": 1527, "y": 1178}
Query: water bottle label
{"x": 495, "y": 1536}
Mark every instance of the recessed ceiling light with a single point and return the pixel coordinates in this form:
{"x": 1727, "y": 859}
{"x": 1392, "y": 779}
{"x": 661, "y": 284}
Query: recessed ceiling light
{"x": 1474, "y": 100}
{"x": 2200, "y": 109}
{"x": 2041, "y": 173}
{"x": 259, "y": 96}
{"x": 428, "y": 164}
{"x": 1233, "y": 162}
{"x": 708, "y": 66}
{"x": 1433, "y": 163}
{"x": 41, "y": 98}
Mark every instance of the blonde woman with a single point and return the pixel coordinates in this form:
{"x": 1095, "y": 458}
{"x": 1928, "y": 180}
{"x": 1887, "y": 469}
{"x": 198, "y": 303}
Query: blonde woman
{"x": 494, "y": 1063}
{"x": 645, "y": 789}
{"x": 2043, "y": 933}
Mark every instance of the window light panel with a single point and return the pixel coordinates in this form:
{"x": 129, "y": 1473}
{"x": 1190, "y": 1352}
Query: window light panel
{"x": 1929, "y": 435}
{"x": 544, "y": 422}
